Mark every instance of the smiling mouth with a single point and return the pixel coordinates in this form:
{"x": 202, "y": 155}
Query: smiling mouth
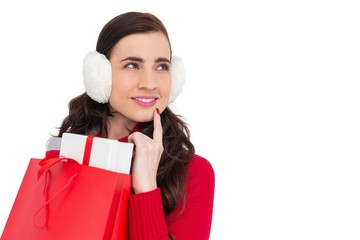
{"x": 145, "y": 100}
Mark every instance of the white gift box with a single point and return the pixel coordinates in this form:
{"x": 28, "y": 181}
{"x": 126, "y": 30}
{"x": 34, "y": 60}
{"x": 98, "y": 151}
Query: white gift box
{"x": 105, "y": 153}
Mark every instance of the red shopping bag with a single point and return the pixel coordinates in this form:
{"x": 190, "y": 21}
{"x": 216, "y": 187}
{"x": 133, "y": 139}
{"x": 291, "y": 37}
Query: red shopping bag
{"x": 60, "y": 199}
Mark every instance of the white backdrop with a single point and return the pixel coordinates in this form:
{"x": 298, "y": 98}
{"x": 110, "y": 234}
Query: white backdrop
{"x": 272, "y": 98}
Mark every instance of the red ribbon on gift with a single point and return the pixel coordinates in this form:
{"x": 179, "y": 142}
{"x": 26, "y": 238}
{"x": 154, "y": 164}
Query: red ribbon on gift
{"x": 87, "y": 151}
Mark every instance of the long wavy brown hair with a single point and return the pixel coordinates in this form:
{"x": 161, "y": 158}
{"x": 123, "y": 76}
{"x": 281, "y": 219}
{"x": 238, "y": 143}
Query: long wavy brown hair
{"x": 89, "y": 117}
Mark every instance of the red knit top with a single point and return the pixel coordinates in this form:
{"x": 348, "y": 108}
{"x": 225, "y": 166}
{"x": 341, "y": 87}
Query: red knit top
{"x": 190, "y": 220}
{"x": 186, "y": 222}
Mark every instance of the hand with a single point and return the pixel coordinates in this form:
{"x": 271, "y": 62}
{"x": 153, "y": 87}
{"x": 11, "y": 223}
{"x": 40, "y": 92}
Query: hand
{"x": 147, "y": 157}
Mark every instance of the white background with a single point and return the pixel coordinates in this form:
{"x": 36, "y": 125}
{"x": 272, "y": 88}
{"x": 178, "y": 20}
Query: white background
{"x": 272, "y": 99}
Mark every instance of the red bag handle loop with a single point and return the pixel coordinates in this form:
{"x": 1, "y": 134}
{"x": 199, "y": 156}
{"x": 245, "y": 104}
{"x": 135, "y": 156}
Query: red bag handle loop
{"x": 46, "y": 164}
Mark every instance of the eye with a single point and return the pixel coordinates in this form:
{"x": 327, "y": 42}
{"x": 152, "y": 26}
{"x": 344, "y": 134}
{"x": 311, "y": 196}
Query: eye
{"x": 132, "y": 65}
{"x": 163, "y": 67}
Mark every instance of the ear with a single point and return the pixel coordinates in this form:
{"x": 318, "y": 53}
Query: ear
{"x": 177, "y": 77}
{"x": 97, "y": 76}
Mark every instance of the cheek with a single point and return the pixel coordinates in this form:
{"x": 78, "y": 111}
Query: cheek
{"x": 121, "y": 84}
{"x": 165, "y": 88}
{"x": 165, "y": 97}
{"x": 119, "y": 90}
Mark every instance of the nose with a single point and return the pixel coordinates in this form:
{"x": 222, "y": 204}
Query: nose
{"x": 147, "y": 80}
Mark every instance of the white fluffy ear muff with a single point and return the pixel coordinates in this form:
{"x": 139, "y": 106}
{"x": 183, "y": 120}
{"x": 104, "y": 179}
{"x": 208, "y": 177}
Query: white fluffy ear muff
{"x": 98, "y": 77}
{"x": 177, "y": 77}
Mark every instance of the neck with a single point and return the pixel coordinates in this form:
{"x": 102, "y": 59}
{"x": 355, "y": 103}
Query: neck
{"x": 119, "y": 127}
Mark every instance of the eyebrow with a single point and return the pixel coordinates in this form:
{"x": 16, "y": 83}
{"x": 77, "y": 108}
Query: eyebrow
{"x": 137, "y": 59}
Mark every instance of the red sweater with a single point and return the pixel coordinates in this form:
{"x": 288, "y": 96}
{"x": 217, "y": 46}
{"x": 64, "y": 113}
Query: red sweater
{"x": 146, "y": 214}
{"x": 147, "y": 220}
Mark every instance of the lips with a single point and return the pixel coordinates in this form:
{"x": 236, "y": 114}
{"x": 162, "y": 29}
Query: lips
{"x": 145, "y": 101}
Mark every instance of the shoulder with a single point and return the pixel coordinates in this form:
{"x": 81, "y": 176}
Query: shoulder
{"x": 201, "y": 169}
{"x": 198, "y": 161}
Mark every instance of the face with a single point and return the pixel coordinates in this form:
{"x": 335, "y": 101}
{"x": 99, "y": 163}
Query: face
{"x": 140, "y": 76}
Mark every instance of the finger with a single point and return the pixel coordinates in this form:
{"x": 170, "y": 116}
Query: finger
{"x": 132, "y": 138}
{"x": 158, "y": 131}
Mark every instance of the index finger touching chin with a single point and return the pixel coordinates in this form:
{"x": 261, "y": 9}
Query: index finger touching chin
{"x": 158, "y": 131}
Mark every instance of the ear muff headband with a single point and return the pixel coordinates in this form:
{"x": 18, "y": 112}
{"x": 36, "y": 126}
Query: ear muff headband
{"x": 98, "y": 77}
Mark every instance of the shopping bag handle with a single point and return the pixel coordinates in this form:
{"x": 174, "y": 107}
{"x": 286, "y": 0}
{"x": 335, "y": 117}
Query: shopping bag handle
{"x": 48, "y": 162}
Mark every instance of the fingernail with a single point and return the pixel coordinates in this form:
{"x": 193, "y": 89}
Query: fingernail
{"x": 158, "y": 111}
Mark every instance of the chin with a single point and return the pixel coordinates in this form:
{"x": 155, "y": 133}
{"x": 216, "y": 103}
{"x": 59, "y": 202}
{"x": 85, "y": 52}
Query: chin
{"x": 143, "y": 118}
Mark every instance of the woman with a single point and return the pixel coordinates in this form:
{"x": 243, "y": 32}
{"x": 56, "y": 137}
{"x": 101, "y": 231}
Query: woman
{"x": 129, "y": 82}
